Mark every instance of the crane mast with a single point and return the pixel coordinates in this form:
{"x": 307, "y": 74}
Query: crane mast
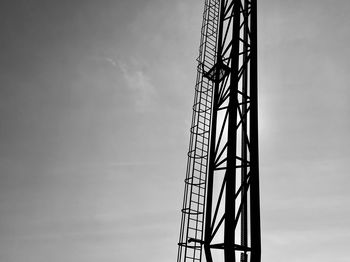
{"x": 221, "y": 207}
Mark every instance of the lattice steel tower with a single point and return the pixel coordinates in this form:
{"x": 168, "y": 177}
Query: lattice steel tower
{"x": 221, "y": 209}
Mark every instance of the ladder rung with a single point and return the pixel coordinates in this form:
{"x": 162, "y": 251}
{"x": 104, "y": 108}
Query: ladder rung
{"x": 200, "y": 171}
{"x": 197, "y": 229}
{"x": 201, "y": 204}
{"x": 197, "y": 195}
{"x": 201, "y": 179}
{"x": 195, "y": 219}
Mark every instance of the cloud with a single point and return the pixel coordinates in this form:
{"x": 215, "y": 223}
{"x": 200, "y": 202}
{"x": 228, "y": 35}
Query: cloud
{"x": 111, "y": 61}
{"x": 139, "y": 83}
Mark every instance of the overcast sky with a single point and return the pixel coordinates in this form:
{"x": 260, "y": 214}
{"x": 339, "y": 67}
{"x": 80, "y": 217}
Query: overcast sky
{"x": 95, "y": 110}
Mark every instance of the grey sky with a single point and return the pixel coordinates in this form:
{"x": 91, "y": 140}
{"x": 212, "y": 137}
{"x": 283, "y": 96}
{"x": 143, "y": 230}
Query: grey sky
{"x": 95, "y": 101}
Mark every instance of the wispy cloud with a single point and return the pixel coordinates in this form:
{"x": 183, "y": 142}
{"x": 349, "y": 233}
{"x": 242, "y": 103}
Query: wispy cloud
{"x": 139, "y": 83}
{"x": 111, "y": 61}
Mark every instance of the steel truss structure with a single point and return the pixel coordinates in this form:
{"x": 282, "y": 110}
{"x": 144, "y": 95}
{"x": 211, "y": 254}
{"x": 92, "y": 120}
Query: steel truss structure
{"x": 221, "y": 209}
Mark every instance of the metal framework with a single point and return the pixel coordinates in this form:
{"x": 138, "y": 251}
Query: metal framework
{"x": 221, "y": 209}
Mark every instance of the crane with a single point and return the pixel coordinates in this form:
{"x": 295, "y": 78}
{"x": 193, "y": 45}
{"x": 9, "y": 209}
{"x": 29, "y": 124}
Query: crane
{"x": 220, "y": 216}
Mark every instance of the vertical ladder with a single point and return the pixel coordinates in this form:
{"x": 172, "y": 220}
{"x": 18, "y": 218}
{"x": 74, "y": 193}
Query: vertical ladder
{"x": 192, "y": 222}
